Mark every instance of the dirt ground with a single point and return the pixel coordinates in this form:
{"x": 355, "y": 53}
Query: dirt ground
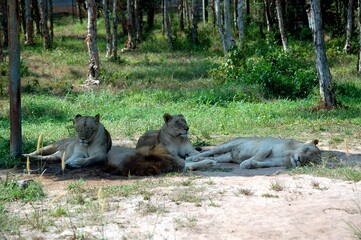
{"x": 221, "y": 203}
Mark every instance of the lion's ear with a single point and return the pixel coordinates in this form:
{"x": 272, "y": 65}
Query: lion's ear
{"x": 76, "y": 118}
{"x": 314, "y": 142}
{"x": 167, "y": 117}
{"x": 97, "y": 117}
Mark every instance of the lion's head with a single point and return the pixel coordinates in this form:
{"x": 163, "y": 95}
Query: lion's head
{"x": 86, "y": 127}
{"x": 176, "y": 125}
{"x": 308, "y": 153}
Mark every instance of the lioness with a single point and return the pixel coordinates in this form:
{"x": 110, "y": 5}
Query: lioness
{"x": 263, "y": 152}
{"x": 173, "y": 135}
{"x": 149, "y": 160}
{"x": 90, "y": 146}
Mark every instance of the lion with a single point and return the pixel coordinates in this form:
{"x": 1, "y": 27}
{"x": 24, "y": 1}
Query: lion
{"x": 90, "y": 146}
{"x": 257, "y": 152}
{"x": 158, "y": 151}
{"x": 173, "y": 135}
{"x": 149, "y": 160}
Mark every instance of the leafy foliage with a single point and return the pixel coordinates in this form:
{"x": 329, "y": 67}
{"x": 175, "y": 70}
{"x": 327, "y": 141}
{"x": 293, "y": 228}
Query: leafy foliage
{"x": 279, "y": 74}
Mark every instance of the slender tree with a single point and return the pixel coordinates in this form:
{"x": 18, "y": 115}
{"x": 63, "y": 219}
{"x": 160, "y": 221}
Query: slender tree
{"x": 14, "y": 78}
{"x": 94, "y": 62}
{"x": 168, "y": 28}
{"x": 328, "y": 97}
{"x": 44, "y": 23}
{"x": 2, "y": 56}
{"x": 138, "y": 20}
{"x": 79, "y": 9}
{"x": 240, "y": 24}
{"x": 114, "y": 51}
{"x": 227, "y": 25}
{"x": 29, "y": 24}
{"x": 107, "y": 29}
{"x": 281, "y": 25}
{"x": 181, "y": 16}
{"x": 349, "y": 26}
{"x": 217, "y": 7}
{"x": 195, "y": 20}
{"x": 269, "y": 17}
{"x": 359, "y": 26}
{"x": 51, "y": 17}
{"x": 123, "y": 18}
{"x": 130, "y": 26}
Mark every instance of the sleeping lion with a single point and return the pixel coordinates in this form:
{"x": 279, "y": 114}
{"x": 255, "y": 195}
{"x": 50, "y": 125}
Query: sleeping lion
{"x": 254, "y": 152}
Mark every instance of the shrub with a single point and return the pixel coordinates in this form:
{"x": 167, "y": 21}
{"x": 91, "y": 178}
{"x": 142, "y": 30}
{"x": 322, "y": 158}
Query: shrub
{"x": 279, "y": 74}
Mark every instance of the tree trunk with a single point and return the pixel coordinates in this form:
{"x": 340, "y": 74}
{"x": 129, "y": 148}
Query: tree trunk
{"x": 123, "y": 18}
{"x": 217, "y": 7}
{"x": 227, "y": 25}
{"x": 2, "y": 56}
{"x": 51, "y": 20}
{"x": 328, "y": 97}
{"x": 349, "y": 25}
{"x": 281, "y": 25}
{"x": 94, "y": 62}
{"x": 240, "y": 21}
{"x": 80, "y": 13}
{"x": 29, "y": 24}
{"x": 195, "y": 20}
{"x": 138, "y": 20}
{"x": 181, "y": 16}
{"x": 44, "y": 23}
{"x": 168, "y": 28}
{"x": 14, "y": 79}
{"x": 187, "y": 15}
{"x": 268, "y": 14}
{"x": 36, "y": 16}
{"x": 130, "y": 42}
{"x": 359, "y": 40}
{"x": 107, "y": 29}
{"x": 114, "y": 46}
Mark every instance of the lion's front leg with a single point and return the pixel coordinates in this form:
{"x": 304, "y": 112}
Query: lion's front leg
{"x": 204, "y": 164}
{"x": 77, "y": 161}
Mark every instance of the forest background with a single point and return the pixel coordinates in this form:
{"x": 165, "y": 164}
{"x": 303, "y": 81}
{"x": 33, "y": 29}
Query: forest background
{"x": 253, "y": 75}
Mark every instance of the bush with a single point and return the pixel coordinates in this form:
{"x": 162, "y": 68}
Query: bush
{"x": 280, "y": 75}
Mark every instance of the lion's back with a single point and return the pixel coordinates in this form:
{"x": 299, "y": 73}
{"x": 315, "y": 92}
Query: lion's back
{"x": 149, "y": 138}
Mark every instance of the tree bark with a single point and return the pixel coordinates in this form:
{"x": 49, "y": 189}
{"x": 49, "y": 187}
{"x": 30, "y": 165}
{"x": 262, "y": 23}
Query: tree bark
{"x": 167, "y": 22}
{"x": 51, "y": 20}
{"x": 227, "y": 25}
{"x": 328, "y": 97}
{"x": 114, "y": 44}
{"x": 359, "y": 40}
{"x": 138, "y": 20}
{"x": 14, "y": 79}
{"x": 36, "y": 16}
{"x": 195, "y": 20}
{"x": 29, "y": 24}
{"x": 240, "y": 21}
{"x": 181, "y": 16}
{"x": 2, "y": 56}
{"x": 123, "y": 18}
{"x": 281, "y": 25}
{"x": 44, "y": 23}
{"x": 108, "y": 33}
{"x": 130, "y": 27}
{"x": 217, "y": 6}
{"x": 94, "y": 62}
{"x": 349, "y": 25}
{"x": 187, "y": 15}
{"x": 80, "y": 13}
{"x": 268, "y": 14}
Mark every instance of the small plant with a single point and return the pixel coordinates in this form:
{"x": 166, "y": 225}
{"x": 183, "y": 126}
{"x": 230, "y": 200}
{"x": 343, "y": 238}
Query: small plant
{"x": 268, "y": 195}
{"x": 244, "y": 191}
{"x": 77, "y": 186}
{"x": 59, "y": 212}
{"x": 316, "y": 185}
{"x": 187, "y": 222}
{"x": 276, "y": 185}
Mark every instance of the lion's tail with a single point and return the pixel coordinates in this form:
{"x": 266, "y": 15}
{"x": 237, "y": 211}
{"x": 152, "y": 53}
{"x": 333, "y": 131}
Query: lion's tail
{"x": 151, "y": 161}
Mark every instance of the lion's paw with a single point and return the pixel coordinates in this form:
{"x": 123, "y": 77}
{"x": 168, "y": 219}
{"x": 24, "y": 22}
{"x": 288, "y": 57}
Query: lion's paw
{"x": 247, "y": 164}
{"x": 74, "y": 163}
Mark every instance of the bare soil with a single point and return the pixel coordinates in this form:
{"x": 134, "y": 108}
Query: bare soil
{"x": 220, "y": 203}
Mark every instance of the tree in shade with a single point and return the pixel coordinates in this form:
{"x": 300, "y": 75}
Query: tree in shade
{"x": 94, "y": 62}
{"x": 328, "y": 97}
{"x": 14, "y": 78}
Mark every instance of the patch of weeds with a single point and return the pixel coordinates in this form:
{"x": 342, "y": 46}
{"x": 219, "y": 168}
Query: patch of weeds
{"x": 244, "y": 191}
{"x": 11, "y": 191}
{"x": 38, "y": 219}
{"x": 268, "y": 195}
{"x": 213, "y": 204}
{"x": 190, "y": 195}
{"x": 59, "y": 212}
{"x": 9, "y": 223}
{"x": 186, "y": 222}
{"x": 77, "y": 186}
{"x": 148, "y": 207}
{"x": 276, "y": 185}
